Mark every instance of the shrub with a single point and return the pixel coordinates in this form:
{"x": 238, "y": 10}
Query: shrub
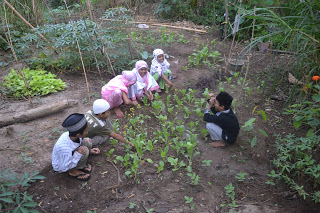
{"x": 296, "y": 161}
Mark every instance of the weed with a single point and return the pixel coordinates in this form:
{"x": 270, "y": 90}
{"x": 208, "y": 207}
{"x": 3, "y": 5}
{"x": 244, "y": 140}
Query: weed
{"x": 25, "y": 157}
{"x": 241, "y": 176}
{"x": 189, "y": 200}
{"x": 110, "y": 153}
{"x": 206, "y": 162}
{"x": 231, "y": 194}
{"x": 194, "y": 178}
{"x": 160, "y": 166}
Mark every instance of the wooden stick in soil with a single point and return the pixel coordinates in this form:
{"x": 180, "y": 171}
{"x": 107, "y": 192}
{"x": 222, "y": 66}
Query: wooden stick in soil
{"x": 234, "y": 36}
{"x": 14, "y": 54}
{"x": 226, "y": 19}
{"x": 74, "y": 33}
{"x": 23, "y": 19}
{"x": 35, "y": 113}
{"x": 93, "y": 50}
{"x": 249, "y": 56}
{"x": 117, "y": 185}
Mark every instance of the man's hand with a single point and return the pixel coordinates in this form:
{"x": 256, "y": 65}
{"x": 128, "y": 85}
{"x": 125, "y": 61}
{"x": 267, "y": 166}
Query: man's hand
{"x": 211, "y": 102}
{"x": 82, "y": 150}
{"x": 211, "y": 95}
{"x": 135, "y": 103}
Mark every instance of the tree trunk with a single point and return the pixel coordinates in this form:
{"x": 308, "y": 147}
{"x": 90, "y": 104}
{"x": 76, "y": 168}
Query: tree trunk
{"x": 39, "y": 112}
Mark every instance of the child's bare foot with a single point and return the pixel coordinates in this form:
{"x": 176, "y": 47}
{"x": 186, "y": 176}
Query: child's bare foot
{"x": 118, "y": 112}
{"x": 158, "y": 90}
{"x": 217, "y": 144}
{"x": 135, "y": 102}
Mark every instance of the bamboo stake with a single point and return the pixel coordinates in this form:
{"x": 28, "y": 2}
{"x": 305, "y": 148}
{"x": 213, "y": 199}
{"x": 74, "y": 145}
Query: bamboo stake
{"x": 94, "y": 51}
{"x": 74, "y": 33}
{"x": 14, "y": 54}
{"x": 234, "y": 36}
{"x": 23, "y": 19}
{"x": 226, "y": 19}
{"x": 54, "y": 17}
{"x": 161, "y": 25}
{"x": 249, "y": 55}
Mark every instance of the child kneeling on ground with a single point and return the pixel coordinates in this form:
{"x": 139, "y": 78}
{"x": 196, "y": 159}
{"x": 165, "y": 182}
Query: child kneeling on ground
{"x": 160, "y": 69}
{"x": 71, "y": 151}
{"x": 100, "y": 129}
{"x": 222, "y": 124}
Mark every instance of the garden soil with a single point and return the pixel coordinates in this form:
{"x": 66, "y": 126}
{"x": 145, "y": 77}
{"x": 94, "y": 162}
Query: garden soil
{"x": 27, "y": 147}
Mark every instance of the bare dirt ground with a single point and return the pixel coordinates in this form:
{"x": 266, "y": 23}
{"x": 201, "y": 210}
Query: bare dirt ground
{"x": 27, "y": 147}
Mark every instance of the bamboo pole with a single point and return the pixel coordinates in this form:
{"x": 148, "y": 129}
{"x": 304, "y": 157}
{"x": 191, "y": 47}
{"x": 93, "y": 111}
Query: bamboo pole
{"x": 234, "y": 36}
{"x": 20, "y": 72}
{"x": 226, "y": 19}
{"x": 74, "y": 33}
{"x": 93, "y": 51}
{"x": 249, "y": 55}
{"x": 23, "y": 19}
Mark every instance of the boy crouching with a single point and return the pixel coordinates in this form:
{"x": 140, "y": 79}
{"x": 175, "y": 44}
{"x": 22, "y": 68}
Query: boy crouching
{"x": 71, "y": 151}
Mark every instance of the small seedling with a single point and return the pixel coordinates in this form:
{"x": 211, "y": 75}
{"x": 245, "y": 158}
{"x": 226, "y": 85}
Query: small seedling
{"x": 189, "y": 200}
{"x": 241, "y": 176}
{"x": 206, "y": 162}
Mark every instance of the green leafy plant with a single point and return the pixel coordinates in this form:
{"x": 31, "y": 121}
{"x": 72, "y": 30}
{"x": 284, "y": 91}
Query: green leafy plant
{"x": 189, "y": 200}
{"x": 12, "y": 195}
{"x": 296, "y": 160}
{"x": 241, "y": 176}
{"x": 248, "y": 125}
{"x": 39, "y": 82}
{"x": 203, "y": 54}
{"x": 194, "y": 178}
{"x": 206, "y": 162}
{"x": 231, "y": 194}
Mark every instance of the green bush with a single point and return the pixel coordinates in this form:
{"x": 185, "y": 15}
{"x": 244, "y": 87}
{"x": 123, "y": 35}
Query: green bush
{"x": 39, "y": 82}
{"x": 13, "y": 198}
{"x": 296, "y": 163}
{"x": 93, "y": 41}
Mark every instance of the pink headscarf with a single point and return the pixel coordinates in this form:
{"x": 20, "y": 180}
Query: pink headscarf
{"x": 140, "y": 64}
{"x": 121, "y": 82}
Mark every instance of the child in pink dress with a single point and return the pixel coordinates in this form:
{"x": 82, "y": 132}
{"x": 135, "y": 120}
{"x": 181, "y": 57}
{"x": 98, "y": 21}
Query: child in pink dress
{"x": 145, "y": 82}
{"x": 116, "y": 91}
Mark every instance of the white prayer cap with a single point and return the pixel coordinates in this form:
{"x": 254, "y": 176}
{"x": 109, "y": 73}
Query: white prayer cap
{"x": 100, "y": 106}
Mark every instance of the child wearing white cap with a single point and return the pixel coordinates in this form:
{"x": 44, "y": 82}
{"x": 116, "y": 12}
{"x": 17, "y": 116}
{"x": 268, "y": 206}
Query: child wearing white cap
{"x": 100, "y": 129}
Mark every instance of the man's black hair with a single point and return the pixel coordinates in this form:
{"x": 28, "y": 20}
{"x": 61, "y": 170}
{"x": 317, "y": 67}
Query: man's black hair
{"x": 224, "y": 100}
{"x": 74, "y": 134}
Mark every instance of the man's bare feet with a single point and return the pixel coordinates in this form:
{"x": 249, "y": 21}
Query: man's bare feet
{"x": 217, "y": 144}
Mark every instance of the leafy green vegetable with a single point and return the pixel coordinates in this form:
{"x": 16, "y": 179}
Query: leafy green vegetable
{"x": 39, "y": 82}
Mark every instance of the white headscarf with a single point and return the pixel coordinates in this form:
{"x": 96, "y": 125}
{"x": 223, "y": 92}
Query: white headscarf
{"x": 157, "y": 67}
{"x": 146, "y": 82}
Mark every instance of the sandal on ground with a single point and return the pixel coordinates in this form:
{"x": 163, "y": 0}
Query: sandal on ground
{"x": 80, "y": 176}
{"x": 87, "y": 169}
